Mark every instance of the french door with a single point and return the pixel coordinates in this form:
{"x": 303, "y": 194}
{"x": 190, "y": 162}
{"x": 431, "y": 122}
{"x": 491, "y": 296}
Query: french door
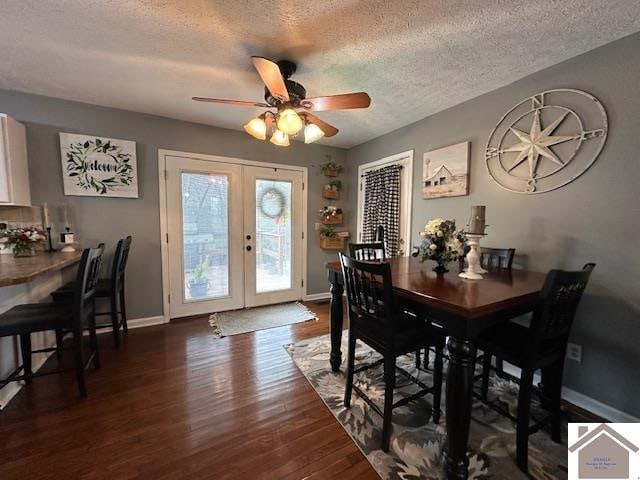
{"x": 234, "y": 235}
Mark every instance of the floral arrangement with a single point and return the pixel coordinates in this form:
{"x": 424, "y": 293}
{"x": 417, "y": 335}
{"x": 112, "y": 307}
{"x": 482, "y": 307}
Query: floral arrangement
{"x": 23, "y": 240}
{"x": 331, "y": 169}
{"x": 441, "y": 242}
{"x": 327, "y": 212}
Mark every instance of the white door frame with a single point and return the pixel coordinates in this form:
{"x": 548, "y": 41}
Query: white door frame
{"x": 406, "y": 160}
{"x": 164, "y": 232}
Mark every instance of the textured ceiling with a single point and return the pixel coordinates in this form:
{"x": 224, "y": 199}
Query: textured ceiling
{"x": 413, "y": 57}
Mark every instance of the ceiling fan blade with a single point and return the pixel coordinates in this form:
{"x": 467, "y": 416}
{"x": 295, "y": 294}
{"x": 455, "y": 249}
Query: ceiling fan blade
{"x": 337, "y": 102}
{"x": 272, "y": 77}
{"x": 329, "y": 130}
{"x": 237, "y": 103}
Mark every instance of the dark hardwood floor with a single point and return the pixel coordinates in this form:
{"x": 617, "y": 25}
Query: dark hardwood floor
{"x": 174, "y": 402}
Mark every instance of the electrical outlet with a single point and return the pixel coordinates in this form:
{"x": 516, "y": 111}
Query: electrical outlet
{"x": 318, "y": 225}
{"x": 574, "y": 352}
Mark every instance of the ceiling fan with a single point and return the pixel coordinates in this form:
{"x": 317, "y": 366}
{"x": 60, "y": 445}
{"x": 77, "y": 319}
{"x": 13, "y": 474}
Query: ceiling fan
{"x": 292, "y": 106}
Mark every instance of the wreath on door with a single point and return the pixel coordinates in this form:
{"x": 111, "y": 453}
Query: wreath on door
{"x": 272, "y": 203}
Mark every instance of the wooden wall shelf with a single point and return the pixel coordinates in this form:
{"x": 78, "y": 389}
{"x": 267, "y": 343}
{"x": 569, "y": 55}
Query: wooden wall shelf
{"x": 330, "y": 194}
{"x": 332, "y": 219}
{"x": 332, "y": 243}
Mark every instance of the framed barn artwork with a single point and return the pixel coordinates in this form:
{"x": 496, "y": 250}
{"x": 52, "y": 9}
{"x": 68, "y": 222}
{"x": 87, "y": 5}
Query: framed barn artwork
{"x": 98, "y": 166}
{"x": 445, "y": 172}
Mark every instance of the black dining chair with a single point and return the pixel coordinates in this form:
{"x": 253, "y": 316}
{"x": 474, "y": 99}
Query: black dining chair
{"x": 367, "y": 251}
{"x": 496, "y": 258}
{"x": 541, "y": 345}
{"x": 492, "y": 259}
{"x": 111, "y": 288}
{"x": 74, "y": 317}
{"x": 376, "y": 319}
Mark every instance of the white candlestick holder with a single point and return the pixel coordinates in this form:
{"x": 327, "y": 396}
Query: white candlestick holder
{"x": 68, "y": 240}
{"x": 475, "y": 270}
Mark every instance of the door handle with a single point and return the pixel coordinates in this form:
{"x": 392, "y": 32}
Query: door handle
{"x": 248, "y": 248}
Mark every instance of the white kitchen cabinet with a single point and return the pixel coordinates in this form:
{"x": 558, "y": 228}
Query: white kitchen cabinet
{"x": 14, "y": 170}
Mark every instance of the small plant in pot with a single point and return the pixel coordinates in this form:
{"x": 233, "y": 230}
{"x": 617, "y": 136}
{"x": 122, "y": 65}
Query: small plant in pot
{"x": 331, "y": 169}
{"x": 328, "y": 232}
{"x": 199, "y": 283}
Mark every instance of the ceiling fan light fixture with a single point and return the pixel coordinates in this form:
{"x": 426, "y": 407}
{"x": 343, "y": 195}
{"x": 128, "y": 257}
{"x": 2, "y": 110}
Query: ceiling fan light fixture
{"x": 280, "y": 138}
{"x": 257, "y": 128}
{"x": 289, "y": 121}
{"x": 312, "y": 133}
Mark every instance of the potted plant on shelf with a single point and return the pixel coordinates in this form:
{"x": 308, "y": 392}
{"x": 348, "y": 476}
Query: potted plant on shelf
{"x": 331, "y": 169}
{"x": 330, "y": 215}
{"x": 332, "y": 189}
{"x": 199, "y": 283}
{"x": 25, "y": 242}
{"x": 331, "y": 239}
{"x": 441, "y": 243}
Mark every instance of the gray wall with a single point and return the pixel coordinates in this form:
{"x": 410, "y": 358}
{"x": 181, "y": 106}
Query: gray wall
{"x": 596, "y": 218}
{"x": 107, "y": 219}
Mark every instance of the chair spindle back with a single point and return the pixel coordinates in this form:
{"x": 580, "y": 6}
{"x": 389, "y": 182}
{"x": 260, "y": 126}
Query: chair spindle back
{"x": 553, "y": 317}
{"x": 497, "y": 258}
{"x": 120, "y": 262}
{"x": 369, "y": 289}
{"x": 86, "y": 282}
{"x": 367, "y": 251}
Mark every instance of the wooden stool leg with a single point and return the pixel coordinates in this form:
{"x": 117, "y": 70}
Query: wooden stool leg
{"x": 500, "y": 368}
{"x": 522, "y": 424}
{"x": 79, "y": 362}
{"x": 351, "y": 359}
{"x": 486, "y": 371}
{"x": 389, "y": 385}
{"x": 123, "y": 309}
{"x": 115, "y": 324}
{"x": 437, "y": 382}
{"x": 25, "y": 349}
{"x": 552, "y": 395}
{"x": 59, "y": 343}
{"x": 93, "y": 342}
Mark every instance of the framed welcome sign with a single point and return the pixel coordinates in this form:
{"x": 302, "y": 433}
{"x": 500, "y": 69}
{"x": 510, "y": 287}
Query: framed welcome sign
{"x": 98, "y": 166}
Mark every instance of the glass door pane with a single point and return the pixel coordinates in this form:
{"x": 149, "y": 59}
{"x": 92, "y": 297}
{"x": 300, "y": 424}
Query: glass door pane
{"x": 205, "y": 234}
{"x": 273, "y": 235}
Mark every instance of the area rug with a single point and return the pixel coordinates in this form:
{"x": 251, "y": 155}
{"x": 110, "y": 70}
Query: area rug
{"x": 416, "y": 443}
{"x": 235, "y": 322}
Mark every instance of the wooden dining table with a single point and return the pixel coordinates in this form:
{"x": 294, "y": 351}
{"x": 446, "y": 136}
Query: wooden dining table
{"x": 464, "y": 308}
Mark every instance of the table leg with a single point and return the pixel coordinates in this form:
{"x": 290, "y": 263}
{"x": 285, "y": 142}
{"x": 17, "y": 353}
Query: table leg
{"x": 458, "y": 403}
{"x": 335, "y": 358}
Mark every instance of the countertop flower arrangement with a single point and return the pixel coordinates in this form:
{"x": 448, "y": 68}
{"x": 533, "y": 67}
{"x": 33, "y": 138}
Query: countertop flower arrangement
{"x": 23, "y": 240}
{"x": 441, "y": 243}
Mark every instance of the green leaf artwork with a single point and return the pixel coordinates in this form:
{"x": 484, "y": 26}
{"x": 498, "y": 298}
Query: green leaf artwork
{"x": 98, "y": 166}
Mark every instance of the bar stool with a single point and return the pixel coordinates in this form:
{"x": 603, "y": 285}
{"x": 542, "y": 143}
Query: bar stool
{"x": 23, "y": 320}
{"x": 111, "y": 288}
{"x": 542, "y": 345}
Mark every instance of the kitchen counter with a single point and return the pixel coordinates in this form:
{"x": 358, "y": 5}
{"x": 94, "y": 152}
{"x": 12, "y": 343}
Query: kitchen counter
{"x": 14, "y": 271}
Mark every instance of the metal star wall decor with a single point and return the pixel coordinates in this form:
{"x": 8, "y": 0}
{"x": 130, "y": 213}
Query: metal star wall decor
{"x": 546, "y": 141}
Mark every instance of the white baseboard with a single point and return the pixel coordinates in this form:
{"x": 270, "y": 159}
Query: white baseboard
{"x": 314, "y": 297}
{"x": 580, "y": 400}
{"x": 594, "y": 406}
{"x": 137, "y": 323}
{"x": 145, "y": 321}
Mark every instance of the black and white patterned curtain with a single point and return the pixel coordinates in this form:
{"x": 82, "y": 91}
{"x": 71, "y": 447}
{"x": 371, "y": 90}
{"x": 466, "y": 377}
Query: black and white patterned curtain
{"x": 382, "y": 206}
